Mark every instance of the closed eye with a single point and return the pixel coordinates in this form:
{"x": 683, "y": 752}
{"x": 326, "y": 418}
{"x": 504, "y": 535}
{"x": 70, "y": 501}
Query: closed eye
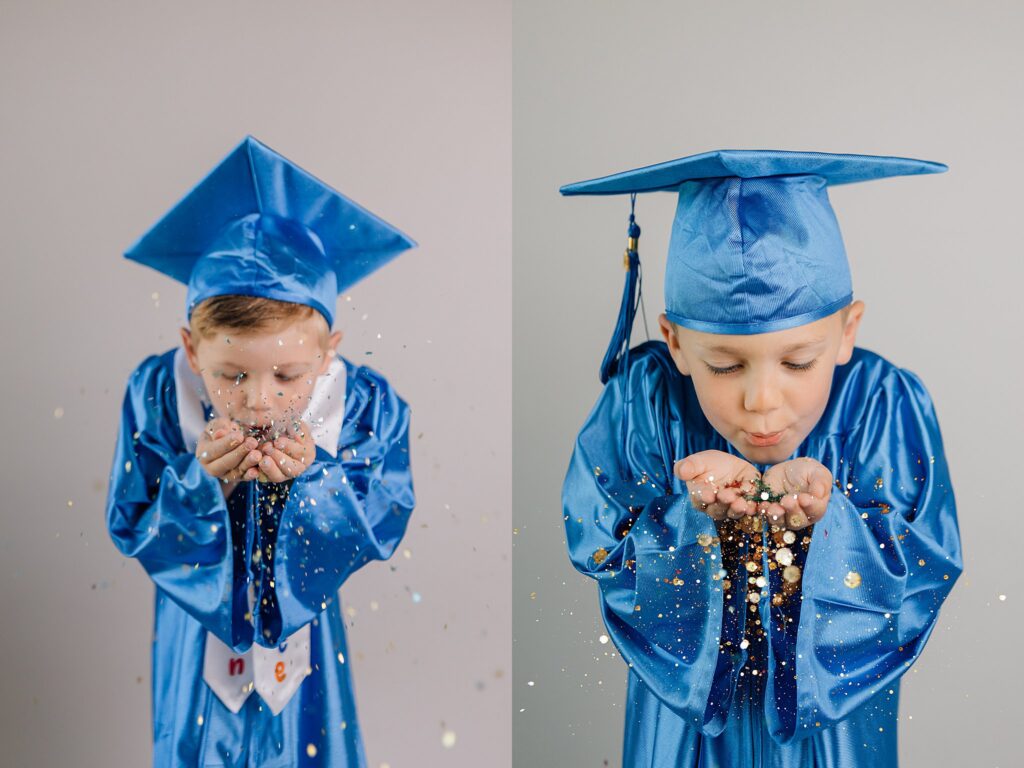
{"x": 733, "y": 368}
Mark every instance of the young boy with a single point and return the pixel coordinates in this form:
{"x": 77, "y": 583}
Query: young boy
{"x": 772, "y": 629}
{"x": 255, "y": 469}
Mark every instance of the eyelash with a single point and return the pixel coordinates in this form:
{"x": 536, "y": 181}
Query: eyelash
{"x": 237, "y": 379}
{"x": 733, "y": 368}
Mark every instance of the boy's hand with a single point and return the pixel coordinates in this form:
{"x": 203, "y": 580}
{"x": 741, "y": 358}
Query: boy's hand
{"x": 287, "y": 456}
{"x": 807, "y": 486}
{"x": 717, "y": 482}
{"x": 225, "y": 453}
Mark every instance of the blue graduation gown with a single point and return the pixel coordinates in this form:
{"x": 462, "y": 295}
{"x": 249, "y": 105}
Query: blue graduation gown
{"x": 165, "y": 510}
{"x": 821, "y": 687}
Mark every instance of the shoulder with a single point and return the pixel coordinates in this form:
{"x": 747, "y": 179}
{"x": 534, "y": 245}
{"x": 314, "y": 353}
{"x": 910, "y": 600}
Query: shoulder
{"x": 153, "y": 378}
{"x": 370, "y": 397}
{"x": 870, "y": 387}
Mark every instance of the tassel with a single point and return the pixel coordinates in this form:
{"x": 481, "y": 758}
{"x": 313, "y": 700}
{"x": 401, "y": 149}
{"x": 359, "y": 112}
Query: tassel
{"x": 618, "y": 347}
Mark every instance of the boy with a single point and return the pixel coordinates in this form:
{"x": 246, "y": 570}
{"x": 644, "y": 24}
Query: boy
{"x": 255, "y": 469}
{"x": 774, "y": 628}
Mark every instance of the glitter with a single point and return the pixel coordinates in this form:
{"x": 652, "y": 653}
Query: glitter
{"x": 754, "y": 597}
{"x": 788, "y": 537}
{"x": 764, "y": 496}
{"x": 852, "y": 580}
{"x": 784, "y": 556}
{"x": 58, "y": 412}
{"x": 760, "y": 581}
{"x": 530, "y": 683}
{"x": 416, "y": 597}
{"x": 311, "y": 750}
{"x": 407, "y": 554}
{"x": 603, "y": 639}
{"x": 1002, "y": 597}
{"x": 127, "y": 466}
{"x": 704, "y": 539}
{"x": 920, "y": 562}
{"x": 744, "y": 644}
{"x": 199, "y": 720}
{"x": 70, "y": 502}
{"x": 600, "y": 555}
{"x": 791, "y": 574}
{"x": 341, "y": 657}
{"x": 751, "y": 566}
{"x": 448, "y": 739}
{"x": 711, "y": 478}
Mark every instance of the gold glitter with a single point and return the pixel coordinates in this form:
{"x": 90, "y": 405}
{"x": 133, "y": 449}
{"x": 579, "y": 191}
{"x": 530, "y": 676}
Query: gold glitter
{"x": 448, "y": 739}
{"x": 704, "y": 540}
{"x": 879, "y": 483}
{"x": 600, "y": 555}
{"x": 791, "y": 573}
{"x": 751, "y": 566}
{"x": 920, "y": 562}
{"x": 788, "y": 537}
{"x": 311, "y": 750}
{"x": 199, "y": 720}
{"x": 852, "y": 580}
{"x": 754, "y": 597}
{"x": 784, "y": 556}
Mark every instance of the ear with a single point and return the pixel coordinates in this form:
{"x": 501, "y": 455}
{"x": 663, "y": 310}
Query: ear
{"x": 849, "y": 339}
{"x": 332, "y": 345}
{"x": 190, "y": 351}
{"x": 668, "y": 332}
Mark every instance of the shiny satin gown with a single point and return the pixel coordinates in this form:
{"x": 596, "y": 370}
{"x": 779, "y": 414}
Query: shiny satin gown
{"x": 817, "y": 683}
{"x": 164, "y": 510}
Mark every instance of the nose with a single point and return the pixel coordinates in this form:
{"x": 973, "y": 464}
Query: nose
{"x": 256, "y": 399}
{"x": 762, "y": 395}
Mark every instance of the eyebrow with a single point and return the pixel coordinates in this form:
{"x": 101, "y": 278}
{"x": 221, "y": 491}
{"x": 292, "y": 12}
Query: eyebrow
{"x": 786, "y": 350}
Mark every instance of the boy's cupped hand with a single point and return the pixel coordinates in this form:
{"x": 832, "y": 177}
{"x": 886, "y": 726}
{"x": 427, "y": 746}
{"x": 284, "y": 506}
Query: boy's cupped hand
{"x": 289, "y": 455}
{"x": 806, "y": 486}
{"x": 719, "y": 482}
{"x": 227, "y": 454}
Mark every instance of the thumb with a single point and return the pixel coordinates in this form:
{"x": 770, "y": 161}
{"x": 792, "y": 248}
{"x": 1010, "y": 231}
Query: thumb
{"x": 687, "y": 469}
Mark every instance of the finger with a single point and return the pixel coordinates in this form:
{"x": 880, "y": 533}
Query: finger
{"x": 271, "y": 466}
{"x": 292, "y": 448}
{"x": 814, "y": 508}
{"x": 213, "y": 450}
{"x": 291, "y": 467}
{"x": 774, "y": 513}
{"x": 796, "y": 521}
{"x": 716, "y": 512}
{"x": 229, "y": 460}
{"x": 689, "y": 468}
{"x": 790, "y": 502}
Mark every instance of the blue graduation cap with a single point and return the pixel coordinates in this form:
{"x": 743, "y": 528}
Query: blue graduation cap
{"x": 755, "y": 245}
{"x": 258, "y": 225}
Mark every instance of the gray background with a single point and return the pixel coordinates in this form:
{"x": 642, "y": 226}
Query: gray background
{"x": 605, "y": 86}
{"x": 110, "y": 112}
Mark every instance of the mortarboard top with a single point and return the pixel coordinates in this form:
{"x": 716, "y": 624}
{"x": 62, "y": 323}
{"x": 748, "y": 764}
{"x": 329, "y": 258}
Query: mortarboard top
{"x": 755, "y": 245}
{"x": 258, "y": 225}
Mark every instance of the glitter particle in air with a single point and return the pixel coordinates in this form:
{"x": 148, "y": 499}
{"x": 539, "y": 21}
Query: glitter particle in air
{"x": 1002, "y": 597}
{"x": 603, "y": 639}
{"x": 311, "y": 750}
{"x": 852, "y": 580}
{"x": 448, "y": 739}
{"x": 58, "y": 412}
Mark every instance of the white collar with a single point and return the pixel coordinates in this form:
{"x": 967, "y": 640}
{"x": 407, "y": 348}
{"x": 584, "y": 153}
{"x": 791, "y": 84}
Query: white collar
{"x": 325, "y": 413}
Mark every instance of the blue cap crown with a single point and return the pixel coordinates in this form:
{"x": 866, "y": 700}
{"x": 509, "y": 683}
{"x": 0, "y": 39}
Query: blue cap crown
{"x": 258, "y": 225}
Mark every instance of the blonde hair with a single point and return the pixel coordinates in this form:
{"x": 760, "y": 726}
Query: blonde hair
{"x": 249, "y": 314}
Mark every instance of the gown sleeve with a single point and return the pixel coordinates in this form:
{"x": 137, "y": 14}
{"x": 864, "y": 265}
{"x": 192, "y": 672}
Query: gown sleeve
{"x": 880, "y": 563}
{"x": 167, "y": 512}
{"x": 343, "y": 512}
{"x": 656, "y": 558}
